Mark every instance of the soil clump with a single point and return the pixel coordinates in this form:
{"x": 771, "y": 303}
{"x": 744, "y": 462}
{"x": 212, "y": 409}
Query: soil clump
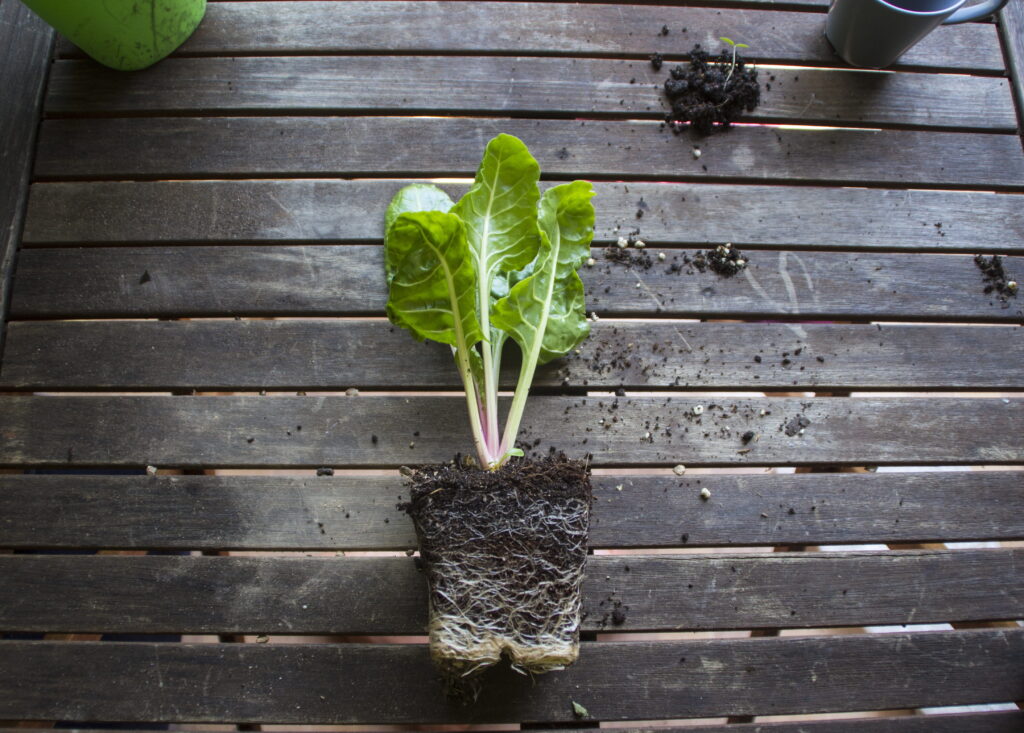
{"x": 996, "y": 279}
{"x": 713, "y": 91}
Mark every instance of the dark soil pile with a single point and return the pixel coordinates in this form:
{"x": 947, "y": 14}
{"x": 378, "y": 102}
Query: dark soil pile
{"x": 711, "y": 91}
{"x": 996, "y": 279}
{"x": 724, "y": 260}
{"x": 504, "y": 553}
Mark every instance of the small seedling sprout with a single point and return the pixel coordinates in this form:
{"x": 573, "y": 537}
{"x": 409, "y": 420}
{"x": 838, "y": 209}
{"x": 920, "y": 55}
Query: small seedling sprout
{"x": 735, "y": 46}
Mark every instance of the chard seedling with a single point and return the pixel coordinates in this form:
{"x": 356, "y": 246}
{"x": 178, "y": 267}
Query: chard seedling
{"x": 735, "y": 47}
{"x": 501, "y": 263}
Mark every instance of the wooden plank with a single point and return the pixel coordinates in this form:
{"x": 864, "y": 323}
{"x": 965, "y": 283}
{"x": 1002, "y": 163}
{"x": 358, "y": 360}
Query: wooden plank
{"x": 360, "y": 512}
{"x": 341, "y": 683}
{"x": 194, "y": 432}
{"x": 279, "y": 28}
{"x": 316, "y": 354}
{"x": 330, "y": 211}
{"x": 985, "y": 722}
{"x": 245, "y": 595}
{"x": 1011, "y": 31}
{"x": 345, "y": 280}
{"x": 25, "y": 44}
{"x": 514, "y": 86}
{"x": 365, "y": 147}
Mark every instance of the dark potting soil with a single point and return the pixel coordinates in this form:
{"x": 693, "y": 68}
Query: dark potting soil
{"x": 711, "y": 92}
{"x": 458, "y": 487}
{"x": 996, "y": 279}
{"x": 724, "y": 260}
{"x": 504, "y": 553}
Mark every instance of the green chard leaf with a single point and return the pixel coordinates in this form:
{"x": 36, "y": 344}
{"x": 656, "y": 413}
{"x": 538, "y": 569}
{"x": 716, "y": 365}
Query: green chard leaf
{"x": 500, "y": 213}
{"x": 433, "y": 285}
{"x": 412, "y": 198}
{"x": 545, "y": 313}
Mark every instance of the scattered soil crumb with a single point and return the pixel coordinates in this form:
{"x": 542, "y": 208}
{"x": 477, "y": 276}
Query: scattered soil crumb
{"x": 640, "y": 260}
{"x": 613, "y": 610}
{"x": 996, "y": 279}
{"x": 724, "y": 260}
{"x": 796, "y": 425}
{"x": 325, "y": 471}
{"x": 711, "y": 92}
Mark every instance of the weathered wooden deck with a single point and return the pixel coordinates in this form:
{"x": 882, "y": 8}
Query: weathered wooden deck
{"x": 192, "y": 278}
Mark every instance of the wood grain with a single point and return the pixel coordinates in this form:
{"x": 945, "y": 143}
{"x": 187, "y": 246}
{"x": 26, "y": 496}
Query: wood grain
{"x": 369, "y": 354}
{"x": 25, "y": 44}
{"x": 263, "y": 431}
{"x": 275, "y": 28}
{"x": 614, "y": 681}
{"x": 331, "y": 211}
{"x": 513, "y": 86}
{"x": 364, "y": 147}
{"x": 360, "y": 512}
